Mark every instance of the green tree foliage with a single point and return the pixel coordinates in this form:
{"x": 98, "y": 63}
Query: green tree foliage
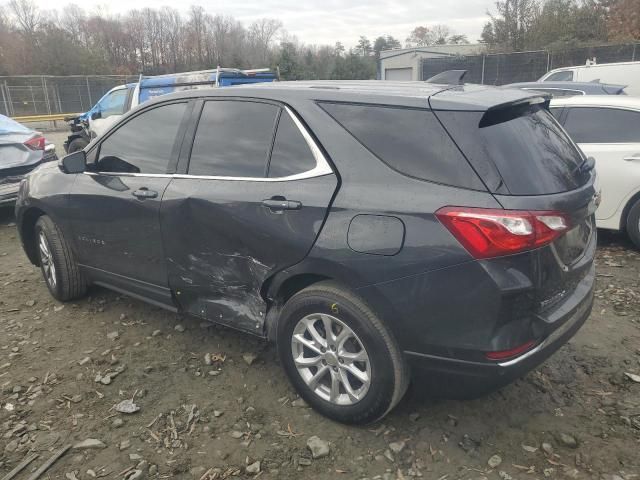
{"x": 518, "y": 25}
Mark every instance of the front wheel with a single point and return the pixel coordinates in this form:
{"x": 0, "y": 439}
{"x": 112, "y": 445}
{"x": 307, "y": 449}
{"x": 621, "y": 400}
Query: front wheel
{"x": 77, "y": 144}
{"x": 339, "y": 355}
{"x": 633, "y": 223}
{"x": 57, "y": 262}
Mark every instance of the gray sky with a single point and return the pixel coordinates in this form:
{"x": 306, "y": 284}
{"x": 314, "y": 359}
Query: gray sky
{"x": 328, "y": 21}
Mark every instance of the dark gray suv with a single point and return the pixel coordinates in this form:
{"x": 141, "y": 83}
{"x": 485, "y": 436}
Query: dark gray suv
{"x": 371, "y": 229}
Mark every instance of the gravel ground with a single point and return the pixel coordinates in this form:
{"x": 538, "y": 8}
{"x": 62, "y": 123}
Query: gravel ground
{"x": 214, "y": 403}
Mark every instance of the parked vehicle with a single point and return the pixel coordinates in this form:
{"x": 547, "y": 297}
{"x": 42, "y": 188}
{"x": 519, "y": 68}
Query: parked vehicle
{"x": 340, "y": 220}
{"x": 624, "y": 73}
{"x": 570, "y": 89}
{"x": 119, "y": 100}
{"x": 21, "y": 150}
{"x": 608, "y": 129}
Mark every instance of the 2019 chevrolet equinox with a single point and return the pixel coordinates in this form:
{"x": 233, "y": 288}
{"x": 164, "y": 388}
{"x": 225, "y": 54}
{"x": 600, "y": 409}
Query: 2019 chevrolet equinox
{"x": 371, "y": 229}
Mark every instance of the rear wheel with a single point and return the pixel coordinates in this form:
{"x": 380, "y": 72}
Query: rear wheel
{"x": 633, "y": 223}
{"x": 57, "y": 262}
{"x": 340, "y": 357}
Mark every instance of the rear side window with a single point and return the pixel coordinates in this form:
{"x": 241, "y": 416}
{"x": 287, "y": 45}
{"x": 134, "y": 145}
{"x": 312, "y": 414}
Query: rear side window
{"x": 233, "y": 139}
{"x": 603, "y": 125}
{"x": 411, "y": 141}
{"x": 291, "y": 153}
{"x": 530, "y": 151}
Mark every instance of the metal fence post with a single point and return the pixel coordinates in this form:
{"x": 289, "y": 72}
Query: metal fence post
{"x": 4, "y": 100}
{"x": 10, "y": 112}
{"x": 633, "y": 55}
{"x": 484, "y": 56}
{"x": 548, "y": 61}
{"x": 46, "y": 94}
{"x": 89, "y": 90}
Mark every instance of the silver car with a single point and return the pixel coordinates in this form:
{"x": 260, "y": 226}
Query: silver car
{"x": 21, "y": 150}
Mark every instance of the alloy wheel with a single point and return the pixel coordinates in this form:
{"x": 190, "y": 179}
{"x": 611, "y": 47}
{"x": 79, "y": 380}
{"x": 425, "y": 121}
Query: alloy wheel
{"x": 331, "y": 359}
{"x": 46, "y": 258}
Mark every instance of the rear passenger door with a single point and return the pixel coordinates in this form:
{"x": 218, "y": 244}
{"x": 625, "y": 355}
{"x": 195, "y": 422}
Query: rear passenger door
{"x": 249, "y": 200}
{"x": 612, "y": 137}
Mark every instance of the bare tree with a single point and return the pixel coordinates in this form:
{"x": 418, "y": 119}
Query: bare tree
{"x": 262, "y": 32}
{"x": 27, "y": 15}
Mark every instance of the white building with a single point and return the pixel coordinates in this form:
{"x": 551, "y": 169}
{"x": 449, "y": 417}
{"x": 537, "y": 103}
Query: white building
{"x": 405, "y": 64}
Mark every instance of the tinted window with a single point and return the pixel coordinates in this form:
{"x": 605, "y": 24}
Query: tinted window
{"x": 291, "y": 154}
{"x": 233, "y": 139}
{"x": 144, "y": 144}
{"x": 603, "y": 125}
{"x": 566, "y": 76}
{"x": 411, "y": 141}
{"x": 530, "y": 152}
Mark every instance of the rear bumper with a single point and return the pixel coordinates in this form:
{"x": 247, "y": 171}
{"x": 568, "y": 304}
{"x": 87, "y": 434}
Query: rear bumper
{"x": 450, "y": 377}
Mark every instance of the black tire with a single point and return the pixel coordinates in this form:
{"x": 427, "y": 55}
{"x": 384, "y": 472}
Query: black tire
{"x": 633, "y": 223}
{"x": 69, "y": 282}
{"x": 77, "y": 144}
{"x": 388, "y": 372}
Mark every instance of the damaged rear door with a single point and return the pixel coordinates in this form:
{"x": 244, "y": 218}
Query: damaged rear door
{"x": 250, "y": 201}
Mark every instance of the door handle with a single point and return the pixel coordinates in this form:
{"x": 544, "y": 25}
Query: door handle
{"x": 280, "y": 204}
{"x": 632, "y": 157}
{"x": 144, "y": 192}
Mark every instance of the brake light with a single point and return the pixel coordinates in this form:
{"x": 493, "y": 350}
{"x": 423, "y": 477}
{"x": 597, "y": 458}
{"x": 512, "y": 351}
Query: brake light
{"x": 487, "y": 233}
{"x": 35, "y": 143}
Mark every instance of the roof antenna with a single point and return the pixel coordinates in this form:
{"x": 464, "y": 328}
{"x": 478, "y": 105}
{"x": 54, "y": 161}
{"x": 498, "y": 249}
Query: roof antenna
{"x": 449, "y": 77}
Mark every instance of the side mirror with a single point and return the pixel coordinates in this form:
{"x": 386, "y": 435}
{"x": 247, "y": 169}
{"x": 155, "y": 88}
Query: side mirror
{"x": 75, "y": 162}
{"x": 96, "y": 115}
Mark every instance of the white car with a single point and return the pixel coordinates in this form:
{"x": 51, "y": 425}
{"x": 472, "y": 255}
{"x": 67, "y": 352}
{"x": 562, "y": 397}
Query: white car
{"x": 607, "y": 128}
{"x": 624, "y": 73}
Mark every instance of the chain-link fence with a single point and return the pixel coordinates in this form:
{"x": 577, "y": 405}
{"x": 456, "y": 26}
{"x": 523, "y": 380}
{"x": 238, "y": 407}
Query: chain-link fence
{"x": 46, "y": 95}
{"x": 503, "y": 68}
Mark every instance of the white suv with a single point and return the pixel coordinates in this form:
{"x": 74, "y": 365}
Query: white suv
{"x": 608, "y": 129}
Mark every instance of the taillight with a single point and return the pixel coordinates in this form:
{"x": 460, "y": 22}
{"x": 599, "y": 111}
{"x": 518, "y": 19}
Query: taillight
{"x": 487, "y": 233}
{"x": 35, "y": 143}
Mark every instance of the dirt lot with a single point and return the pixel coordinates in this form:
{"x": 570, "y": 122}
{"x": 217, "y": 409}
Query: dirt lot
{"x": 214, "y": 402}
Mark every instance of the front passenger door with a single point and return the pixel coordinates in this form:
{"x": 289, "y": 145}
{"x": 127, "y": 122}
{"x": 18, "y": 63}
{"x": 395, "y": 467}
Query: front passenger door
{"x": 117, "y": 202}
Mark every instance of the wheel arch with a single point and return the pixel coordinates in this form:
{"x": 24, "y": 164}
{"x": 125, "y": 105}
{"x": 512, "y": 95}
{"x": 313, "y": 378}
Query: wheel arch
{"x": 279, "y": 289}
{"x": 625, "y": 211}
{"x": 28, "y": 233}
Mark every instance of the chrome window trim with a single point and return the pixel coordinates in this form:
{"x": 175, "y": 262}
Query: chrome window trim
{"x": 322, "y": 165}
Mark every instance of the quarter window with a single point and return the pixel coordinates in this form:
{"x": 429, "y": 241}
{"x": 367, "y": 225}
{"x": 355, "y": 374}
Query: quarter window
{"x": 410, "y": 141}
{"x": 603, "y": 125}
{"x": 291, "y": 153}
{"x": 233, "y": 139}
{"x": 144, "y": 144}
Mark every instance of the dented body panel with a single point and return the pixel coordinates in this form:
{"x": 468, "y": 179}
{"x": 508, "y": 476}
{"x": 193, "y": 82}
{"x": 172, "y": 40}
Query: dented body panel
{"x": 222, "y": 243}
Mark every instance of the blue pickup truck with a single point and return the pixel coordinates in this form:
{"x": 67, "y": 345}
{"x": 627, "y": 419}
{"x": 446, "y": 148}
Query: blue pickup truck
{"x": 119, "y": 100}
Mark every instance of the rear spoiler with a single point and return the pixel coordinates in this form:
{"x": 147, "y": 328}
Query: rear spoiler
{"x": 509, "y": 110}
